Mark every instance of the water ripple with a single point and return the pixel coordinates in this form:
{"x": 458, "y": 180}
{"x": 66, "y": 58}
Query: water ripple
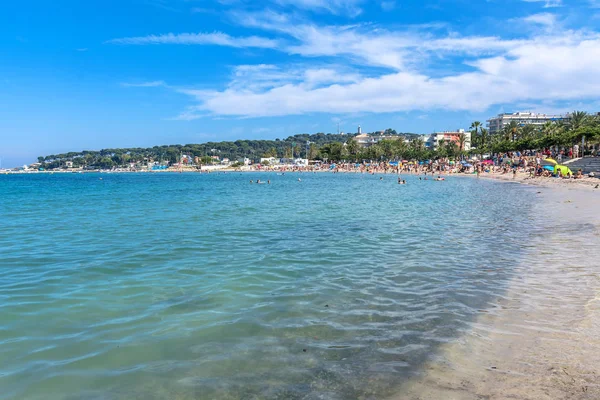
{"x": 195, "y": 286}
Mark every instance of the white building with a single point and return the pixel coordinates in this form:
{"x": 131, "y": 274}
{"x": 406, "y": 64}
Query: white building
{"x": 433, "y": 141}
{"x": 366, "y": 140}
{"x": 496, "y": 124}
{"x": 269, "y": 160}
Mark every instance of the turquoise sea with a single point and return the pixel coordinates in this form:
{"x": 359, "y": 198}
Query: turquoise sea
{"x": 204, "y": 286}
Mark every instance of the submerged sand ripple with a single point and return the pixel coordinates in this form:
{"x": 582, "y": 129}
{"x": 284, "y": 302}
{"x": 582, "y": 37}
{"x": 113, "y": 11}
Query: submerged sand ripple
{"x": 541, "y": 340}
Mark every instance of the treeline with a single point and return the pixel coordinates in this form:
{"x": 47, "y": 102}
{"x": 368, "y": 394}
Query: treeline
{"x": 561, "y": 134}
{"x": 171, "y": 154}
{"x": 513, "y": 137}
{"x": 335, "y": 147}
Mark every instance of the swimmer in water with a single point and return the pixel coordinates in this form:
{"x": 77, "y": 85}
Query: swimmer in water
{"x": 299, "y": 180}
{"x": 251, "y": 181}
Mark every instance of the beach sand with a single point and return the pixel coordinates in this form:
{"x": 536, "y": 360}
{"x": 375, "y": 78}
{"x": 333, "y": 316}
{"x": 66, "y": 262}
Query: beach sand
{"x": 541, "y": 340}
{"x": 521, "y": 177}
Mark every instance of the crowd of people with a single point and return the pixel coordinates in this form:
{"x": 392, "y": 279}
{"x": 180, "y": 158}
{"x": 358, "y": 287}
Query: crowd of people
{"x": 535, "y": 164}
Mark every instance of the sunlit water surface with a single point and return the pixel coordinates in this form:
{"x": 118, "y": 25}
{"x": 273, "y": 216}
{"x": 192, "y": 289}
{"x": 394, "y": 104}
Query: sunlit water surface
{"x": 189, "y": 286}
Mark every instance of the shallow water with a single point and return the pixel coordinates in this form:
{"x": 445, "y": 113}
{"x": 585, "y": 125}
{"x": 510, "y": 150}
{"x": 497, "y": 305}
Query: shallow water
{"x": 540, "y": 338}
{"x": 205, "y": 286}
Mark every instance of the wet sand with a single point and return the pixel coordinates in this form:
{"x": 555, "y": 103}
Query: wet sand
{"x": 541, "y": 340}
{"x": 522, "y": 177}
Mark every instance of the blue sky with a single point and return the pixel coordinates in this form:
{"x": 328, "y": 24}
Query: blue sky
{"x": 88, "y": 75}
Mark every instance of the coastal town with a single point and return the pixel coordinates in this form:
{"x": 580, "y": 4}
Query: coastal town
{"x": 520, "y": 141}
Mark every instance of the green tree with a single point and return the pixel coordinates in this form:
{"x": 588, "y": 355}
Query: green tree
{"x": 579, "y": 119}
{"x": 313, "y": 151}
{"x": 206, "y": 160}
{"x": 352, "y": 147}
{"x": 511, "y": 131}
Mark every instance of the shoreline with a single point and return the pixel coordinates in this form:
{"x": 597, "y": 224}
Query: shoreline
{"x": 520, "y": 177}
{"x": 539, "y": 340}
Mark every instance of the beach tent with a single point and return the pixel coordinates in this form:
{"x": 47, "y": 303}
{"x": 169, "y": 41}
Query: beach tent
{"x": 563, "y": 169}
{"x": 394, "y": 163}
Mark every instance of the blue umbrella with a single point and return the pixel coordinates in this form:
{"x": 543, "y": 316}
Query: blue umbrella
{"x": 549, "y": 167}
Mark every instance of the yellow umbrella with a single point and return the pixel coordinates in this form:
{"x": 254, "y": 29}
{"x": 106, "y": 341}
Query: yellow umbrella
{"x": 551, "y": 161}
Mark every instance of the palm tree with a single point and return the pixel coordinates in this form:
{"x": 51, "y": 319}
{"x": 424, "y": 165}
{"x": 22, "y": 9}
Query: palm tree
{"x": 417, "y": 144}
{"x": 579, "y": 119}
{"x": 475, "y": 126}
{"x": 476, "y": 139}
{"x": 462, "y": 139}
{"x": 528, "y": 132}
{"x": 352, "y": 146}
{"x": 549, "y": 128}
{"x": 511, "y": 131}
{"x": 484, "y": 137}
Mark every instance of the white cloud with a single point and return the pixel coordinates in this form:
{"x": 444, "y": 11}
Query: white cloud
{"x": 546, "y": 19}
{"x": 347, "y": 7}
{"x": 477, "y": 71}
{"x": 547, "y": 3}
{"x": 370, "y": 45}
{"x": 216, "y": 38}
{"x": 528, "y": 72}
{"x": 145, "y": 84}
{"x": 265, "y": 76}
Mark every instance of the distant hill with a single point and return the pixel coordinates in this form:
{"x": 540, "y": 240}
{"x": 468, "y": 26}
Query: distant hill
{"x": 253, "y": 149}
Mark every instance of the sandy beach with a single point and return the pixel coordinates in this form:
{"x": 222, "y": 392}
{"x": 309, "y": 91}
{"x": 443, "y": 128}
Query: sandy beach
{"x": 541, "y": 339}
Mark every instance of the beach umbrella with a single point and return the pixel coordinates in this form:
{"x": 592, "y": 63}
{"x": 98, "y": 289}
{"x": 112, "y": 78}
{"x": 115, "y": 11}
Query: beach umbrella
{"x": 551, "y": 161}
{"x": 549, "y": 168}
{"x": 563, "y": 169}
{"x": 468, "y": 165}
